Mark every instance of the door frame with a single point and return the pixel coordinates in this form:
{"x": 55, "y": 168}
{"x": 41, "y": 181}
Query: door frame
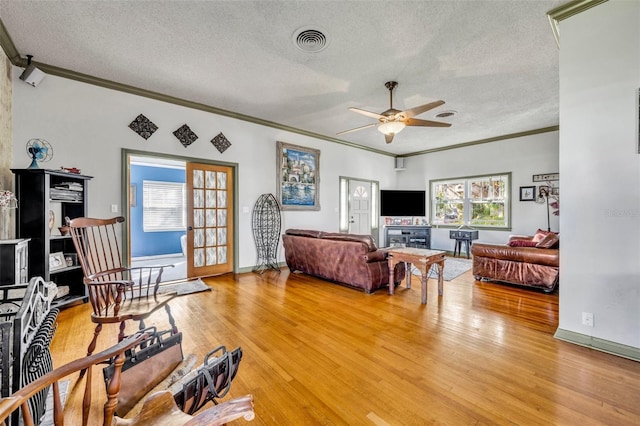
{"x": 343, "y": 205}
{"x": 126, "y": 154}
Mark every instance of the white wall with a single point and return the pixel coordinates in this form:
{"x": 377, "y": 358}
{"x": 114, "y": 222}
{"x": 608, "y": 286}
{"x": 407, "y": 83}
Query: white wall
{"x": 523, "y": 157}
{"x": 600, "y": 170}
{"x": 88, "y": 127}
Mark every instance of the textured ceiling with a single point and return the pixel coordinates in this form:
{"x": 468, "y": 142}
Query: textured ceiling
{"x": 494, "y": 62}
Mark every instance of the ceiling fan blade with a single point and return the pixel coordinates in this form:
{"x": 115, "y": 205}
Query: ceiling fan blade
{"x": 425, "y": 123}
{"x": 357, "y": 128}
{"x": 422, "y": 108}
{"x": 367, "y": 113}
{"x": 388, "y": 138}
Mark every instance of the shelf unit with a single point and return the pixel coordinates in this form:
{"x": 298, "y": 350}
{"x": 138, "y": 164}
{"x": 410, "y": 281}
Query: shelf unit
{"x": 408, "y": 236}
{"x": 38, "y": 198}
{"x": 14, "y": 257}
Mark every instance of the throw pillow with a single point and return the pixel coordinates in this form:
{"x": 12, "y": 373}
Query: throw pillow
{"x": 550, "y": 241}
{"x": 540, "y": 234}
{"x": 522, "y": 243}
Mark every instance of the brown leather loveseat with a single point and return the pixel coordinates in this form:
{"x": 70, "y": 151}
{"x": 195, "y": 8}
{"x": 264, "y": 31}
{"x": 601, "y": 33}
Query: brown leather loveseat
{"x": 348, "y": 259}
{"x": 523, "y": 261}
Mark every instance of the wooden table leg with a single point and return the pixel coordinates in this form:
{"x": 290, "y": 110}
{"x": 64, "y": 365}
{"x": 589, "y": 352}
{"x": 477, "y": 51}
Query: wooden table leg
{"x": 425, "y": 277}
{"x": 440, "y": 277}
{"x": 391, "y": 274}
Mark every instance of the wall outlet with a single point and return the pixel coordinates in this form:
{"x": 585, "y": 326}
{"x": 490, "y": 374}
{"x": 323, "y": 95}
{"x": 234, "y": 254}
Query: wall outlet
{"x": 587, "y": 319}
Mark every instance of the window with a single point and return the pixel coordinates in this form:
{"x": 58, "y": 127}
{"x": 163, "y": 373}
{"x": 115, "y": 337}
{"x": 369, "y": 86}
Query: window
{"x": 163, "y": 206}
{"x": 479, "y": 201}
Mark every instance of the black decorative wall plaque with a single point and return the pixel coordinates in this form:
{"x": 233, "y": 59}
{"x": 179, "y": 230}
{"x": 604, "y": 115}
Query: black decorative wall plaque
{"x": 185, "y": 135}
{"x": 143, "y": 126}
{"x": 221, "y": 142}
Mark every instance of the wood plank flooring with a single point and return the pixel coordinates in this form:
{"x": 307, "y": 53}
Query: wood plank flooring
{"x": 317, "y": 353}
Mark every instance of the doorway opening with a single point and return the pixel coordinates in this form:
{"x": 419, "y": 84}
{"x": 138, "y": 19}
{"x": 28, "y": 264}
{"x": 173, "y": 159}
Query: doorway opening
{"x": 157, "y": 214}
{"x": 179, "y": 211}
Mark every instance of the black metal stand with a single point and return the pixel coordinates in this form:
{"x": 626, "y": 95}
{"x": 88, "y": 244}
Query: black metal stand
{"x": 548, "y": 217}
{"x": 545, "y": 193}
{"x": 266, "y": 232}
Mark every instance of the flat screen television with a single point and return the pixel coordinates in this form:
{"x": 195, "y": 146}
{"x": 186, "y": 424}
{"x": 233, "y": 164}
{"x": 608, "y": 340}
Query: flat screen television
{"x": 402, "y": 203}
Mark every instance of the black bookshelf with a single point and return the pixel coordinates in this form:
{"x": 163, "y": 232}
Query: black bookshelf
{"x": 39, "y": 192}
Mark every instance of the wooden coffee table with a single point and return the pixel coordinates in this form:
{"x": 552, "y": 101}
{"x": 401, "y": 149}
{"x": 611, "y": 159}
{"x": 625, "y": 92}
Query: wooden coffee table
{"x": 422, "y": 259}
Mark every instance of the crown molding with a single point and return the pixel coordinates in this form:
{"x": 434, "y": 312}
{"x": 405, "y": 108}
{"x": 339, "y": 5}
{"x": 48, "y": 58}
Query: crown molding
{"x": 109, "y": 84}
{"x": 565, "y": 11}
{"x": 483, "y": 141}
{"x": 7, "y": 45}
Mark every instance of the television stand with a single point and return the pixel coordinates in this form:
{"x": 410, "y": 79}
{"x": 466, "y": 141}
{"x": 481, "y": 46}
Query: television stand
{"x": 416, "y": 236}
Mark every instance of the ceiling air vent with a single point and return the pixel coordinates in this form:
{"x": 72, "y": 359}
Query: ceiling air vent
{"x": 310, "y": 40}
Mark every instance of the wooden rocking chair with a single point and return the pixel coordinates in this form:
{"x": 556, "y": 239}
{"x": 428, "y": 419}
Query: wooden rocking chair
{"x": 117, "y": 293}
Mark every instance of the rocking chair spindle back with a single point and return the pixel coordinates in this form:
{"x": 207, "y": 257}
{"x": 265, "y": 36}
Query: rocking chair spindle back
{"x": 117, "y": 293}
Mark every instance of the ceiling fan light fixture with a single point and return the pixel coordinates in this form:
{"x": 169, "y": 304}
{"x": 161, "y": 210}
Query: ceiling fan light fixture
{"x": 394, "y": 127}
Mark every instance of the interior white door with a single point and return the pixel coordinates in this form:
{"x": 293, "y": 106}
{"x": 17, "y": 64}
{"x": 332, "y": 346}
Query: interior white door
{"x": 359, "y": 207}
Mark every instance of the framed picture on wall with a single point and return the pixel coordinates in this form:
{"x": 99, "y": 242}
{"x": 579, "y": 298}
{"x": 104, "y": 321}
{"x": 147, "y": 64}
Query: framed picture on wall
{"x": 298, "y": 175}
{"x": 527, "y": 193}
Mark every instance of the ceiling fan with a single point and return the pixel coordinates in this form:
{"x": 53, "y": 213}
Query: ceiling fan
{"x": 392, "y": 121}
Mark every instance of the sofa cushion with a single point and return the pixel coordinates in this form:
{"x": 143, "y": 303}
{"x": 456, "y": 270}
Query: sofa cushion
{"x": 520, "y": 237}
{"x": 550, "y": 241}
{"x": 375, "y": 256}
{"x": 304, "y": 233}
{"x": 549, "y": 257}
{"x": 367, "y": 240}
{"x": 522, "y": 243}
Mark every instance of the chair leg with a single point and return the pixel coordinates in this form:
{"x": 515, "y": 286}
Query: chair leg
{"x": 92, "y": 345}
{"x": 174, "y": 329}
{"x": 121, "y": 332}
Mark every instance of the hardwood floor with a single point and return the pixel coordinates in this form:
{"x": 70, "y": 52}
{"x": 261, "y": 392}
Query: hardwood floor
{"x": 319, "y": 353}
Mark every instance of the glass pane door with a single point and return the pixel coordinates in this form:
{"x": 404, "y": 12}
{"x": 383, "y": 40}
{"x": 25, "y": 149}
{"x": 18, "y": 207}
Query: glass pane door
{"x": 210, "y": 219}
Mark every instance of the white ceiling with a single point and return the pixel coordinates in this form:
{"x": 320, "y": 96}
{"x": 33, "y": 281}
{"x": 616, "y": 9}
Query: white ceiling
{"x": 495, "y": 62}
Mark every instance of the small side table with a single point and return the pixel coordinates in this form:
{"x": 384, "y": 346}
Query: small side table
{"x": 422, "y": 259}
{"x": 462, "y": 236}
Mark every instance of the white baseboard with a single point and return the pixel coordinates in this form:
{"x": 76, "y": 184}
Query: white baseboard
{"x": 607, "y": 346}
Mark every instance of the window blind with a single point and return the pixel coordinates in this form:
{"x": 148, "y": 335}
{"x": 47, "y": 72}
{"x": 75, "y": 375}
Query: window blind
{"x": 164, "y": 206}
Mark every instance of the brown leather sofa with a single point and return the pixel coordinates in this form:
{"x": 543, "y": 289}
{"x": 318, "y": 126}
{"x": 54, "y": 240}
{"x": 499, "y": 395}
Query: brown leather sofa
{"x": 349, "y": 259}
{"x": 530, "y": 266}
